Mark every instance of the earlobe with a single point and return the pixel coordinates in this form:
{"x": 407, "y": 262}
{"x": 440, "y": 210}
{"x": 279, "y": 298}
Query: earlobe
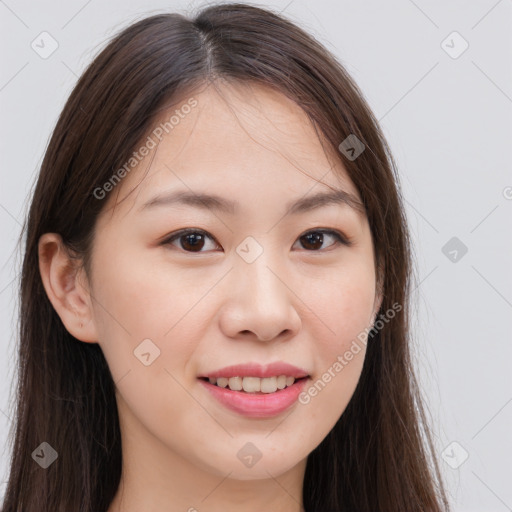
{"x": 61, "y": 275}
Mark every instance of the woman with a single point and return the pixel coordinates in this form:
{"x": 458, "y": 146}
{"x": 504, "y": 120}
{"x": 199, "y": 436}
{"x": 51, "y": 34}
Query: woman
{"x": 214, "y": 293}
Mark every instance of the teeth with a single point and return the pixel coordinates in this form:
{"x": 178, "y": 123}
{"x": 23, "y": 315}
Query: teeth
{"x": 253, "y": 384}
{"x": 222, "y": 382}
{"x": 235, "y": 383}
{"x": 269, "y": 385}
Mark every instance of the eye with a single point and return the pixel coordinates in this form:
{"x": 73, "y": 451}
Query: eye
{"x": 316, "y": 237}
{"x": 193, "y": 240}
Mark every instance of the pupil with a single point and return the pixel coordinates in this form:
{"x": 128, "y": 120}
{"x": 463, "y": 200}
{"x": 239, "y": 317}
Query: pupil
{"x": 196, "y": 240}
{"x": 315, "y": 237}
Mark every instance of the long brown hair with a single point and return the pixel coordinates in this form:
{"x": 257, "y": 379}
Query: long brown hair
{"x": 379, "y": 455}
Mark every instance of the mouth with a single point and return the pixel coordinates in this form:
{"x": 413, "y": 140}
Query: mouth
{"x": 266, "y": 402}
{"x": 254, "y": 385}
{"x": 255, "y": 390}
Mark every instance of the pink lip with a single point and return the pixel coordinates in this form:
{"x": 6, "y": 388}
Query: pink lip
{"x": 258, "y": 370}
{"x": 257, "y": 405}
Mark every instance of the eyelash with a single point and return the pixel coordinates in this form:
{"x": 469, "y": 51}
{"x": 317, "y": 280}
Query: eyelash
{"x": 340, "y": 238}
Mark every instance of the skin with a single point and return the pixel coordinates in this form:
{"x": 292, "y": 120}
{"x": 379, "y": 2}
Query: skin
{"x": 206, "y": 310}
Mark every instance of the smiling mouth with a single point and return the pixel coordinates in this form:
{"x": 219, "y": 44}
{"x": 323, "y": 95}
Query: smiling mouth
{"x": 254, "y": 385}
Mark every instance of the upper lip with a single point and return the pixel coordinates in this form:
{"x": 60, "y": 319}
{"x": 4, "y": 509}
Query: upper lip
{"x": 258, "y": 370}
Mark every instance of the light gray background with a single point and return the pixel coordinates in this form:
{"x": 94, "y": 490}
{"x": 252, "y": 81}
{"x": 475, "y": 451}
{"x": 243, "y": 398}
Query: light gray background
{"x": 449, "y": 123}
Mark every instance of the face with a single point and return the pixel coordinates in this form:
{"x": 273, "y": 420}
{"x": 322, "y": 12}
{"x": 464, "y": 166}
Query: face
{"x": 254, "y": 282}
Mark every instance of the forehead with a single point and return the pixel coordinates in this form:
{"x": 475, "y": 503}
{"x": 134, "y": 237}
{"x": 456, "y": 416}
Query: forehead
{"x": 232, "y": 139}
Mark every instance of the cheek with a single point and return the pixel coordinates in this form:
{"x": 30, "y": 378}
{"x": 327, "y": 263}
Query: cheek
{"x": 137, "y": 305}
{"x": 343, "y": 313}
{"x": 330, "y": 390}
{"x": 138, "y": 298}
{"x": 343, "y": 306}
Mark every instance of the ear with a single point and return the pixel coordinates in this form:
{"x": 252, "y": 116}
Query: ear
{"x": 67, "y": 287}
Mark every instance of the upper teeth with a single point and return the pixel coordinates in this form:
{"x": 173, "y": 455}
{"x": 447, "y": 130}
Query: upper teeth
{"x": 253, "y": 384}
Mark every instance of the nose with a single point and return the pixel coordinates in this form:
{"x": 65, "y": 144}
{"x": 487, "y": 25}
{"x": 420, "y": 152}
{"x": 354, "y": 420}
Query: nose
{"x": 261, "y": 304}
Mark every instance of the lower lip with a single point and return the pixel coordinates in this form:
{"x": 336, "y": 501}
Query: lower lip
{"x": 257, "y": 405}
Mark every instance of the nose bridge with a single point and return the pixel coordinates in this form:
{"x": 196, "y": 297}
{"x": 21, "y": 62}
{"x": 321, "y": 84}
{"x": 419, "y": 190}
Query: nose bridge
{"x": 256, "y": 265}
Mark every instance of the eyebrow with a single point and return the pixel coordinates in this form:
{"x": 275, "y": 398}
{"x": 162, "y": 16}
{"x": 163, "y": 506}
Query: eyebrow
{"x": 206, "y": 201}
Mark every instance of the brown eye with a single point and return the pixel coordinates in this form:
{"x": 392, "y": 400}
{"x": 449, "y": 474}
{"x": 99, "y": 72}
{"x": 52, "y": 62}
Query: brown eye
{"x": 190, "y": 240}
{"x": 313, "y": 240}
